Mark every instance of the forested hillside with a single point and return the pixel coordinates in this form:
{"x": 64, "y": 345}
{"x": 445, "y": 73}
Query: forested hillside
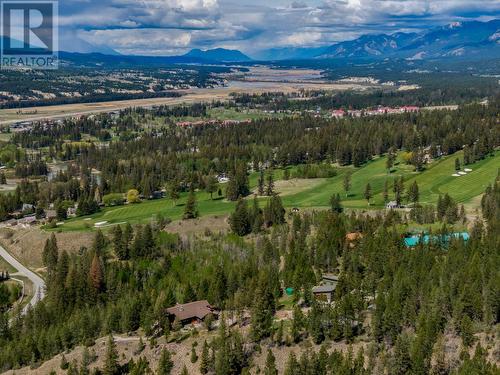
{"x": 406, "y": 302}
{"x": 428, "y": 307}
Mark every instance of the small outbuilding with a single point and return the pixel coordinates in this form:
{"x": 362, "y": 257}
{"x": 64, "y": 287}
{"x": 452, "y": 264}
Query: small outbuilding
{"x": 392, "y": 205}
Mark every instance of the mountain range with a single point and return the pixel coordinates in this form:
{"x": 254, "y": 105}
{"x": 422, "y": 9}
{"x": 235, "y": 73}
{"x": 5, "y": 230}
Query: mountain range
{"x": 457, "y": 40}
{"x": 218, "y": 54}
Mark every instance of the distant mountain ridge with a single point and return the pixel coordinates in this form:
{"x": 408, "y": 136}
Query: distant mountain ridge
{"x": 218, "y": 54}
{"x": 456, "y": 39}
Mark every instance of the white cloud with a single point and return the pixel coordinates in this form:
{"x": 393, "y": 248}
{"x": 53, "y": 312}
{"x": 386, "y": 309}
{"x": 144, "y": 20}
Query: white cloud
{"x": 302, "y": 39}
{"x": 139, "y": 41}
{"x": 172, "y": 25}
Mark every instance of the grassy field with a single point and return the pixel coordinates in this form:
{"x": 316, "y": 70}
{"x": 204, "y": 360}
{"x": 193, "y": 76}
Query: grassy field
{"x": 436, "y": 179}
{"x": 4, "y": 266}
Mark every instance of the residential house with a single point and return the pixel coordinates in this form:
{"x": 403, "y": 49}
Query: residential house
{"x": 324, "y": 291}
{"x": 191, "y": 313}
{"x": 329, "y": 279}
{"x": 27, "y": 220}
{"x": 28, "y": 207}
{"x": 71, "y": 211}
{"x": 338, "y": 113}
{"x": 50, "y": 214}
{"x": 392, "y": 205}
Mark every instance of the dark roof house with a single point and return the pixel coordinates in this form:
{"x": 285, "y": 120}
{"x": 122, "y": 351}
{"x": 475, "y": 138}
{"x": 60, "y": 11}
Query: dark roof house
{"x": 189, "y": 312}
{"x": 324, "y": 291}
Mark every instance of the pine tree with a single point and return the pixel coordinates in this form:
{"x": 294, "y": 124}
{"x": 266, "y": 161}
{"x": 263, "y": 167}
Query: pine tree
{"x": 212, "y": 185}
{"x": 84, "y": 367}
{"x": 205, "y": 360}
{"x": 149, "y": 245}
{"x": 194, "y": 356}
{"x": 279, "y": 334}
{"x": 336, "y": 204}
{"x": 176, "y": 325}
{"x": 173, "y": 192}
{"x": 402, "y": 359}
{"x": 270, "y": 184}
{"x": 347, "y": 183}
{"x": 128, "y": 234}
{"x": 292, "y": 365}
{"x": 50, "y": 253}
{"x": 118, "y": 245}
{"x": 368, "y": 193}
{"x": 64, "y": 363}
{"x": 413, "y": 193}
{"x": 240, "y": 219}
{"x": 274, "y": 213}
{"x": 263, "y": 310}
{"x": 386, "y": 191}
{"x": 238, "y": 183}
{"x": 111, "y": 366}
{"x": 297, "y": 324}
{"x": 165, "y": 365}
{"x": 100, "y": 242}
{"x": 260, "y": 183}
{"x": 96, "y": 274}
{"x": 391, "y": 157}
{"x": 184, "y": 371}
{"x": 256, "y": 216}
{"x": 191, "y": 210}
{"x": 270, "y": 368}
{"x": 466, "y": 331}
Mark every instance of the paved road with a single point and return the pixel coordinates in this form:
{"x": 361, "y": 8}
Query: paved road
{"x": 38, "y": 283}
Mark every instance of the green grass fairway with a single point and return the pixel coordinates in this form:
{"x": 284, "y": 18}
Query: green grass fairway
{"x": 436, "y": 179}
{"x": 439, "y": 180}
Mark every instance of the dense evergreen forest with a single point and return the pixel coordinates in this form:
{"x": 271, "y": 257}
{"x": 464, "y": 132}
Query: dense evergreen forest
{"x": 406, "y": 303}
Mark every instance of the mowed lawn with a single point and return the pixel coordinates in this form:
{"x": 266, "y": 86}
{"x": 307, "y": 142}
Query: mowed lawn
{"x": 435, "y": 180}
{"x": 439, "y": 180}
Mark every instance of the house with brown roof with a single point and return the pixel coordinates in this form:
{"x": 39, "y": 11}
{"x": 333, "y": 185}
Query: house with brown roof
{"x": 193, "y": 312}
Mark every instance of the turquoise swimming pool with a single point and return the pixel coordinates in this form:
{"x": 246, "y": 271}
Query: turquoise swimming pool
{"x": 415, "y": 240}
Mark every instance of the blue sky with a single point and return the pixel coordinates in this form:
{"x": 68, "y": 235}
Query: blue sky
{"x": 172, "y": 27}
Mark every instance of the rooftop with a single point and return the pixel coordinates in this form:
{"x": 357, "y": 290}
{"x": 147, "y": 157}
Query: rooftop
{"x": 197, "y": 309}
{"x": 323, "y": 289}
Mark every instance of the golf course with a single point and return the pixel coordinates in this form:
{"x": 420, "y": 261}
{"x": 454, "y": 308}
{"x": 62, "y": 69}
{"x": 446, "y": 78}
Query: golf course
{"x": 436, "y": 179}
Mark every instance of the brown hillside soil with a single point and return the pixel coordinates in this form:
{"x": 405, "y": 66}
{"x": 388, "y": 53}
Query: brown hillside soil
{"x": 27, "y": 244}
{"x": 181, "y": 352}
{"x": 214, "y": 224}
